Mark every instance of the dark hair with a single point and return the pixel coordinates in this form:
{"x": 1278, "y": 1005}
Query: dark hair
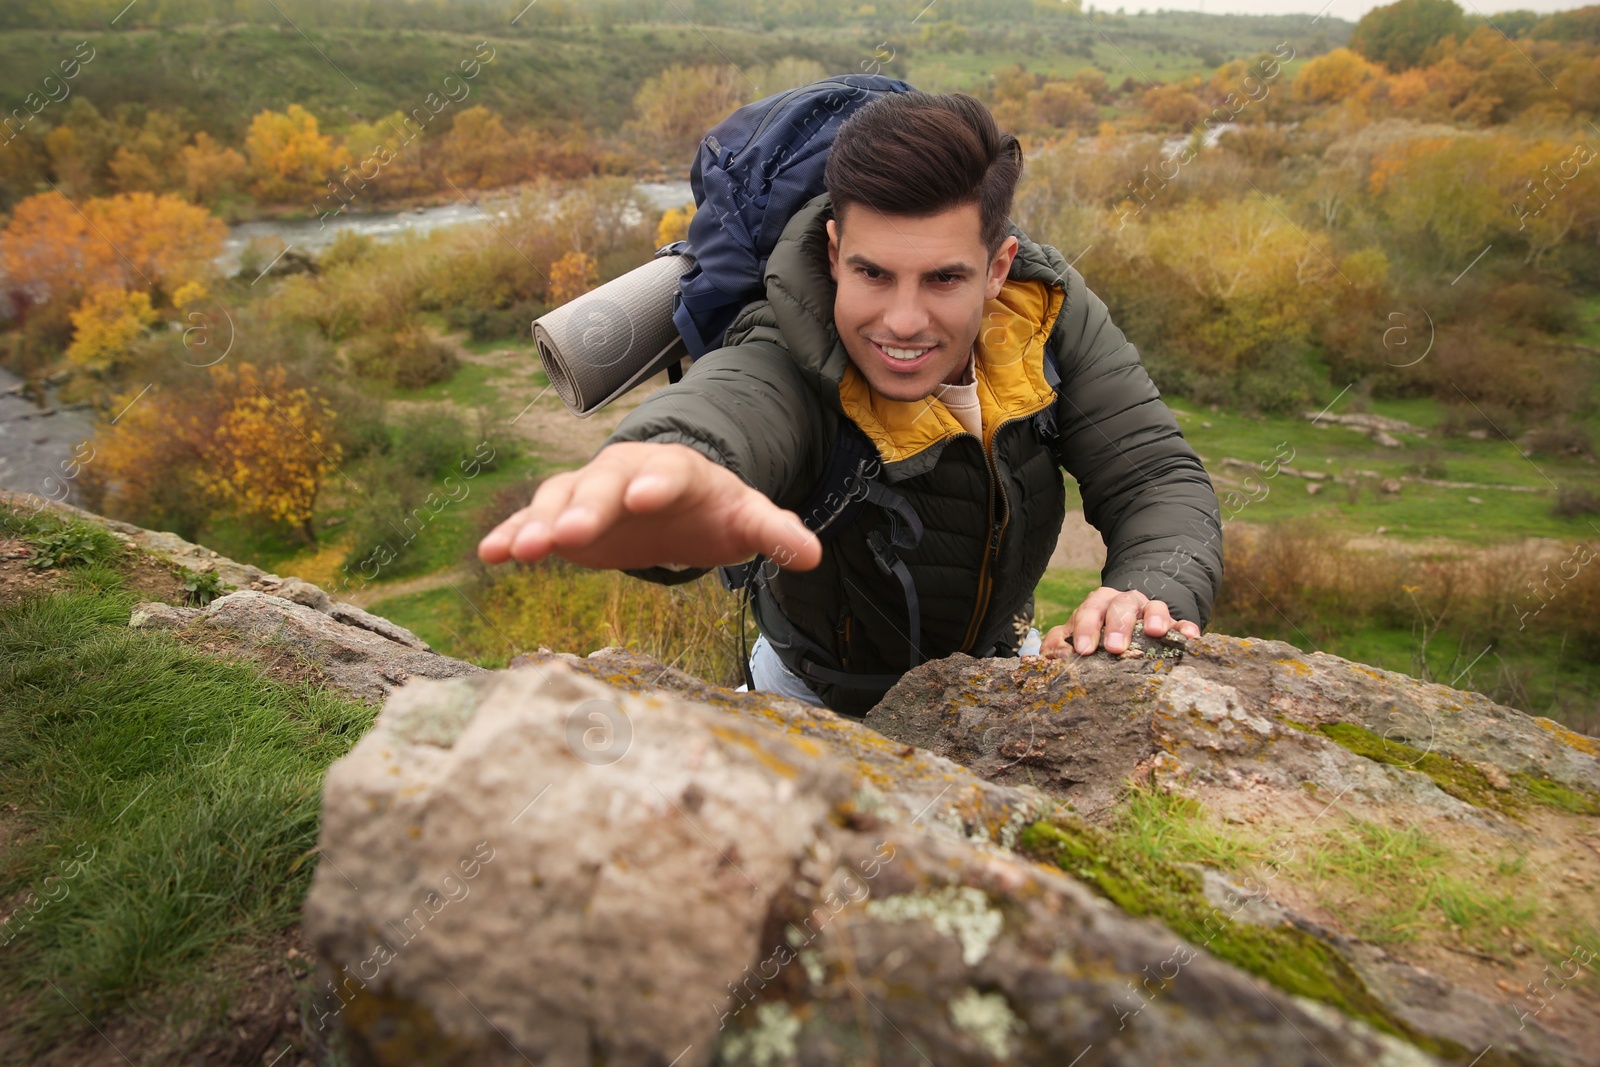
{"x": 922, "y": 154}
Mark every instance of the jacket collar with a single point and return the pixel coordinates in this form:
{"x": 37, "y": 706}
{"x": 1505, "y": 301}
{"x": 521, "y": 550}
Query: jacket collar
{"x": 798, "y": 314}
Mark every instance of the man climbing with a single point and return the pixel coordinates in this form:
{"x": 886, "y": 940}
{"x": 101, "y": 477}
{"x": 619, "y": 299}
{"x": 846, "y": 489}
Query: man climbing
{"x": 906, "y": 312}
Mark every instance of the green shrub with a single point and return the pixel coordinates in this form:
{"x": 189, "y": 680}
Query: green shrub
{"x": 408, "y": 357}
{"x": 379, "y": 533}
{"x": 428, "y": 444}
{"x": 494, "y": 324}
{"x": 60, "y": 542}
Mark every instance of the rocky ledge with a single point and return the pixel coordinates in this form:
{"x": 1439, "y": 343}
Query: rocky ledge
{"x": 1220, "y": 851}
{"x": 1200, "y": 855}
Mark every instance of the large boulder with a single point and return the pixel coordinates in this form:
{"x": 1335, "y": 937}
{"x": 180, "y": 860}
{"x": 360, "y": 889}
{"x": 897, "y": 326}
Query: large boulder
{"x": 606, "y": 860}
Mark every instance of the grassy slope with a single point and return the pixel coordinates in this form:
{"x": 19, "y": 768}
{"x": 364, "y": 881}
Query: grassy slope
{"x": 224, "y": 75}
{"x": 165, "y": 807}
{"x": 1418, "y": 510}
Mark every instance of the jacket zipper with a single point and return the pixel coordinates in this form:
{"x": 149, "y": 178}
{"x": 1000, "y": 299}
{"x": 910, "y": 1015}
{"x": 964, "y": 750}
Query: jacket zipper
{"x": 992, "y": 553}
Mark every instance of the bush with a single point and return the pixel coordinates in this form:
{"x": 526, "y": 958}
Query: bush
{"x": 378, "y": 535}
{"x": 427, "y": 444}
{"x": 348, "y": 247}
{"x": 1428, "y": 464}
{"x": 1572, "y": 501}
{"x": 1558, "y": 440}
{"x": 45, "y": 332}
{"x": 409, "y": 357}
{"x": 360, "y": 429}
{"x": 1286, "y": 387}
{"x": 493, "y": 324}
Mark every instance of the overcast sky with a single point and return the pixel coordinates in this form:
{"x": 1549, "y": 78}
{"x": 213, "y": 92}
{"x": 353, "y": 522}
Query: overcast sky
{"x": 1344, "y": 9}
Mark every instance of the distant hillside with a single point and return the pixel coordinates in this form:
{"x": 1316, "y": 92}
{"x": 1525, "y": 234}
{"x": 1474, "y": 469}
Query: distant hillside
{"x": 223, "y": 74}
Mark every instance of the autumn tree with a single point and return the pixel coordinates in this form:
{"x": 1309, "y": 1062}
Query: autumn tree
{"x": 105, "y": 326}
{"x": 1061, "y": 104}
{"x": 289, "y": 157}
{"x": 674, "y": 225}
{"x": 1331, "y": 78}
{"x": 1448, "y": 192}
{"x": 1257, "y": 278}
{"x": 210, "y": 171}
{"x": 271, "y": 449}
{"x": 1173, "y": 105}
{"x": 1014, "y": 83}
{"x": 146, "y": 462}
{"x": 390, "y": 157}
{"x": 570, "y": 277}
{"x": 675, "y": 108}
{"x": 129, "y": 241}
{"x": 79, "y": 147}
{"x": 1400, "y": 34}
{"x": 480, "y": 153}
{"x": 148, "y": 159}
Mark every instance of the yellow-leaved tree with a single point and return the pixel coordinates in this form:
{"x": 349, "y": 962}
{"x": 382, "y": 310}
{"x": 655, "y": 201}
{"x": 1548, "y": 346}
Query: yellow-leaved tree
{"x": 676, "y": 107}
{"x": 271, "y": 448}
{"x": 1263, "y": 279}
{"x": 571, "y": 276}
{"x": 105, "y": 325}
{"x": 289, "y": 157}
{"x": 1330, "y": 78}
{"x": 211, "y": 171}
{"x": 674, "y": 225}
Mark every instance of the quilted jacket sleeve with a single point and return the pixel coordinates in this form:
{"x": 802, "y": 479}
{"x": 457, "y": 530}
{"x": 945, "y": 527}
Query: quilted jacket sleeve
{"x": 1143, "y": 486}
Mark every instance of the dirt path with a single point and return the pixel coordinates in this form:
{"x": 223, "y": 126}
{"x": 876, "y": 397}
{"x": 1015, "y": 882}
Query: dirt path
{"x": 536, "y": 414}
{"x": 371, "y": 594}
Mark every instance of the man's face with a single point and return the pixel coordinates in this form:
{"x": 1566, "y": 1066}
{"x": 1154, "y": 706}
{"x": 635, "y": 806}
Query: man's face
{"x": 910, "y": 294}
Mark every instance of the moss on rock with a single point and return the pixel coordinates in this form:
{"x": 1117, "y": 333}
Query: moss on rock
{"x": 1290, "y": 958}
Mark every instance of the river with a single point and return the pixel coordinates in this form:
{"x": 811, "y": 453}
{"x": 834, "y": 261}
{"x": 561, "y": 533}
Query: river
{"x": 37, "y": 444}
{"x": 312, "y": 235}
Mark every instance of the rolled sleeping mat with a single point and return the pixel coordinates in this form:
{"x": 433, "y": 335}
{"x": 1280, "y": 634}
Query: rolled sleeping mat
{"x": 608, "y": 340}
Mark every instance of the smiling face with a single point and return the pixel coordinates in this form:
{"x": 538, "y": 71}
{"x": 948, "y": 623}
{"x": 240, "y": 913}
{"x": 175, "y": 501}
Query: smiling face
{"x": 910, "y": 295}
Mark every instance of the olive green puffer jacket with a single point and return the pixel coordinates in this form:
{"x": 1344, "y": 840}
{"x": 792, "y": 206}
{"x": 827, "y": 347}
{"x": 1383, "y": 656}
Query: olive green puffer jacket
{"x": 766, "y": 407}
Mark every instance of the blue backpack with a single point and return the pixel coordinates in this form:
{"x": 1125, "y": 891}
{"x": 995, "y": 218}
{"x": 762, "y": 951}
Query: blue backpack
{"x": 753, "y": 171}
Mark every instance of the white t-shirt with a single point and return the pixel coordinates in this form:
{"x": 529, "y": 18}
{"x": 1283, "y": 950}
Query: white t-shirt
{"x": 962, "y": 400}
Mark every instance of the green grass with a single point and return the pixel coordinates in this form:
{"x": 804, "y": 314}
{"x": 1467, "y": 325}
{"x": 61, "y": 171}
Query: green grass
{"x": 451, "y": 533}
{"x": 469, "y": 387}
{"x": 166, "y": 808}
{"x": 1402, "y": 883}
{"x": 1418, "y": 510}
{"x": 1059, "y": 593}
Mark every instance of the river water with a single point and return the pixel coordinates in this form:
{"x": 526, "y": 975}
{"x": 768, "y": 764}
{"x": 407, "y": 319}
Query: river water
{"x": 43, "y": 447}
{"x": 313, "y": 235}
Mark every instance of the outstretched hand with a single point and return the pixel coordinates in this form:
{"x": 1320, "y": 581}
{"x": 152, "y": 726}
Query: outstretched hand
{"x": 640, "y": 504}
{"x": 1114, "y": 610}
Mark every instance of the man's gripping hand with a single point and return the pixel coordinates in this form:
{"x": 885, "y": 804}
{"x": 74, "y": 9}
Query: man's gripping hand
{"x": 1116, "y": 610}
{"x": 639, "y": 504}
